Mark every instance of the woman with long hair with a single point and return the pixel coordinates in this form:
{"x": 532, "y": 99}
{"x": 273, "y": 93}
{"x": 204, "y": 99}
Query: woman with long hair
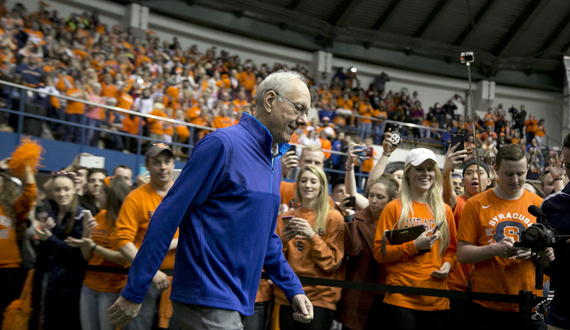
{"x": 101, "y": 290}
{"x": 313, "y": 244}
{"x": 14, "y": 208}
{"x": 64, "y": 263}
{"x": 361, "y": 266}
{"x": 427, "y": 260}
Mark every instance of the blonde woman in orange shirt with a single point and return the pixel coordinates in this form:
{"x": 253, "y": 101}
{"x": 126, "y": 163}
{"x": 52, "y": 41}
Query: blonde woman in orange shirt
{"x": 420, "y": 203}
{"x": 313, "y": 244}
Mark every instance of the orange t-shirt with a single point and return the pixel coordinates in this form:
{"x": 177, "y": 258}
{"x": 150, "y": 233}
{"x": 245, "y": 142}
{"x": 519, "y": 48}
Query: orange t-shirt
{"x": 108, "y": 90}
{"x": 9, "y": 250}
{"x": 134, "y": 217}
{"x": 489, "y": 119}
{"x": 193, "y": 113}
{"x": 540, "y": 130}
{"x": 320, "y": 256}
{"x": 405, "y": 267}
{"x": 72, "y": 106}
{"x": 487, "y": 219}
{"x": 221, "y": 122}
{"x": 530, "y": 125}
{"x": 131, "y": 126}
{"x": 365, "y": 110}
{"x": 246, "y": 79}
{"x": 124, "y": 101}
{"x": 368, "y": 164}
{"x": 156, "y": 126}
{"x": 458, "y": 279}
{"x": 182, "y": 132}
{"x": 326, "y": 145}
{"x": 104, "y": 235}
{"x": 240, "y": 104}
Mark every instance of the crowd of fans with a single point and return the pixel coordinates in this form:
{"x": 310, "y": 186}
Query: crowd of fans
{"x": 78, "y": 56}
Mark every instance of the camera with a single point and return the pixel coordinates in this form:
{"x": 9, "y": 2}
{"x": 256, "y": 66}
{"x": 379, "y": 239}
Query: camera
{"x": 467, "y": 57}
{"x": 538, "y": 237}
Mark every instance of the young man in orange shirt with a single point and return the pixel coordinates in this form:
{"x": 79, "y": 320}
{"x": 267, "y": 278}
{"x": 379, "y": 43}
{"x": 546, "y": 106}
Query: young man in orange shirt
{"x": 74, "y": 110}
{"x": 133, "y": 220}
{"x": 490, "y": 224}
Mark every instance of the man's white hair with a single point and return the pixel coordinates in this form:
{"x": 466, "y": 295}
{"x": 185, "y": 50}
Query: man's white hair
{"x": 279, "y": 82}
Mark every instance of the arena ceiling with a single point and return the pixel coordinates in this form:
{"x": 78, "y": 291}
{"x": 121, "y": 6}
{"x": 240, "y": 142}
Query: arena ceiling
{"x": 511, "y": 38}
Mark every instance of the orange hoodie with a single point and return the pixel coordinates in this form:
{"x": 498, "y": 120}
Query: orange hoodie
{"x": 319, "y": 256}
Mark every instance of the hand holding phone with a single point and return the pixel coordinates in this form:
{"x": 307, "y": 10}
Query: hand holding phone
{"x": 367, "y": 152}
{"x": 458, "y": 138}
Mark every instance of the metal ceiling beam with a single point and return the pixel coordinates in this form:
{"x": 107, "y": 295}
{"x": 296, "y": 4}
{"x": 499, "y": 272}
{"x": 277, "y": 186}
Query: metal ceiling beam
{"x": 431, "y": 17}
{"x": 391, "y": 7}
{"x": 344, "y": 11}
{"x": 561, "y": 29}
{"x": 480, "y": 16}
{"x": 531, "y": 12}
{"x": 294, "y": 5}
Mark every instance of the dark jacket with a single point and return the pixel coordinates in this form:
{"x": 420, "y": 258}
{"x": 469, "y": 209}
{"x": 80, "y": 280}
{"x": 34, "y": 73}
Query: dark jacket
{"x": 360, "y": 267}
{"x": 65, "y": 264}
{"x": 557, "y": 209}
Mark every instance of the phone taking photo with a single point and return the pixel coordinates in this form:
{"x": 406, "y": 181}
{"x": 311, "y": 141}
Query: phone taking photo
{"x": 435, "y": 230}
{"x": 365, "y": 152}
{"x": 351, "y": 202}
{"x": 458, "y": 138}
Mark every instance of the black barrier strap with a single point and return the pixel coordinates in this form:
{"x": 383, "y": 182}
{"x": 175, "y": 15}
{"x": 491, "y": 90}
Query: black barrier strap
{"x": 525, "y": 296}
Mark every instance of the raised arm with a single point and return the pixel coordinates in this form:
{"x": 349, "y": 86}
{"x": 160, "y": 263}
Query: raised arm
{"x": 452, "y": 159}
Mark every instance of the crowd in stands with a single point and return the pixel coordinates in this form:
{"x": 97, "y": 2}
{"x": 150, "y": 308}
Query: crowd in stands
{"x": 81, "y": 57}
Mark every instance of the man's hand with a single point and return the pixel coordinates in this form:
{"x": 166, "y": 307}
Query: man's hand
{"x": 123, "y": 311}
{"x": 289, "y": 161}
{"x": 387, "y": 146}
{"x": 556, "y": 169}
{"x": 505, "y": 248}
{"x": 160, "y": 281}
{"x": 302, "y": 308}
{"x": 546, "y": 256}
{"x": 143, "y": 179}
{"x": 442, "y": 272}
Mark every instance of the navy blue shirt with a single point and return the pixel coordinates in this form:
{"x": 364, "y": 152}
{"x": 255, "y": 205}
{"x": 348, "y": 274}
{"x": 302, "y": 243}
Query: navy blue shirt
{"x": 557, "y": 208}
{"x": 226, "y": 202}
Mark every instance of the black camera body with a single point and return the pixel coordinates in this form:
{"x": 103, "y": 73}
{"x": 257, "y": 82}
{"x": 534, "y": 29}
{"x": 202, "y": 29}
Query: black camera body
{"x": 538, "y": 237}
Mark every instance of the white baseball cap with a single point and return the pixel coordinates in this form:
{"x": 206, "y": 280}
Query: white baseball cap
{"x": 418, "y": 156}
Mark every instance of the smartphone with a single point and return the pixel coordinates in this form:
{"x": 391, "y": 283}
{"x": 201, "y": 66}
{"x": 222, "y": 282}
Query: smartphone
{"x": 87, "y": 214}
{"x": 458, "y": 138}
{"x": 437, "y": 227}
{"x": 175, "y": 174}
{"x": 365, "y": 152}
{"x": 286, "y": 219}
{"x": 92, "y": 161}
{"x": 293, "y": 148}
{"x": 351, "y": 202}
{"x": 395, "y": 134}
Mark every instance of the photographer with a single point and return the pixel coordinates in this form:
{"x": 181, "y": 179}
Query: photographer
{"x": 490, "y": 225}
{"x": 556, "y": 209}
{"x": 518, "y": 119}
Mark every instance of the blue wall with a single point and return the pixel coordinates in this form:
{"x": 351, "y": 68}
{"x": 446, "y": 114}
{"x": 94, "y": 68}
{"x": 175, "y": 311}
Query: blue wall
{"x": 60, "y": 154}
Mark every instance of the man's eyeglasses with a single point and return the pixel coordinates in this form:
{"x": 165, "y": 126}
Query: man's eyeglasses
{"x": 298, "y": 109}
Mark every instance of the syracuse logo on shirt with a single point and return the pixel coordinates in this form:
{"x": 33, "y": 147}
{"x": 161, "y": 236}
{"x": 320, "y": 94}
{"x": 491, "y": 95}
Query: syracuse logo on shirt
{"x": 507, "y": 225}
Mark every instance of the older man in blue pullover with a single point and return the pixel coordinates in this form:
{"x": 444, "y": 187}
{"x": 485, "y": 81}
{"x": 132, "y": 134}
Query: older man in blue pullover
{"x": 225, "y": 203}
